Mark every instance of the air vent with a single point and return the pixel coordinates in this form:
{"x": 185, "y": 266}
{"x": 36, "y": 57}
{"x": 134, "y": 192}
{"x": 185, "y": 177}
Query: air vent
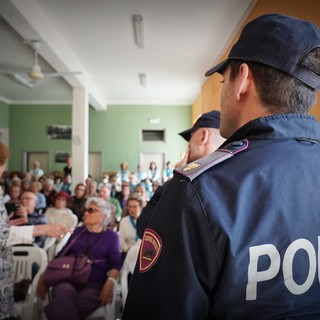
{"x": 153, "y": 135}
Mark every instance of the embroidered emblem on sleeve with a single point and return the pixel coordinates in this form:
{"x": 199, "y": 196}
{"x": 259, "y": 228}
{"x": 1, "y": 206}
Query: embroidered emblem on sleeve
{"x": 150, "y": 250}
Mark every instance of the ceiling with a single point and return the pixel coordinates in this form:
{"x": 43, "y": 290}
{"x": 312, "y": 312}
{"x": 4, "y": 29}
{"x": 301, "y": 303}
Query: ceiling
{"x": 182, "y": 39}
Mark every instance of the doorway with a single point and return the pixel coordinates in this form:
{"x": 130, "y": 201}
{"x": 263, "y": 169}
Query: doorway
{"x": 95, "y": 165}
{"x": 31, "y": 156}
{"x": 158, "y": 157}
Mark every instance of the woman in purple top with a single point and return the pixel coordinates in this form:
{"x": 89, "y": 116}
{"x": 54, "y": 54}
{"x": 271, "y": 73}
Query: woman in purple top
{"x": 74, "y": 302}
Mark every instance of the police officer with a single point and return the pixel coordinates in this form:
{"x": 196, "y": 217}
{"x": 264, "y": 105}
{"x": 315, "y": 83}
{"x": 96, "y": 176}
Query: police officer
{"x": 236, "y": 235}
{"x": 203, "y": 138}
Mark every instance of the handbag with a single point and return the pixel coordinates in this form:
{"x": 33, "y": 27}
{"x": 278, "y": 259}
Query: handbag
{"x": 75, "y": 269}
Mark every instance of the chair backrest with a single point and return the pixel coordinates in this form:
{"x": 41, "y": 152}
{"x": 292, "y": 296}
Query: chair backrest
{"x": 52, "y": 246}
{"x": 61, "y": 243}
{"x": 127, "y": 268}
{"x": 29, "y": 263}
{"x": 49, "y": 247}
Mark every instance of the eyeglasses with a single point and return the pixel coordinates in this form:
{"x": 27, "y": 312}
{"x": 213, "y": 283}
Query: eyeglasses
{"x": 132, "y": 207}
{"x": 81, "y": 189}
{"x": 91, "y": 210}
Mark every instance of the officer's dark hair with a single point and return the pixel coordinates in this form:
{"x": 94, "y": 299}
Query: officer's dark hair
{"x": 278, "y": 91}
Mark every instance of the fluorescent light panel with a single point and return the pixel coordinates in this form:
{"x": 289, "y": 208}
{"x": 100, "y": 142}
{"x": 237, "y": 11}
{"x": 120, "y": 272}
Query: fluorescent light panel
{"x": 138, "y": 30}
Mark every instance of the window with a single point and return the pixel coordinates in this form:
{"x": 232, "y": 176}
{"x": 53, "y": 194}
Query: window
{"x": 153, "y": 135}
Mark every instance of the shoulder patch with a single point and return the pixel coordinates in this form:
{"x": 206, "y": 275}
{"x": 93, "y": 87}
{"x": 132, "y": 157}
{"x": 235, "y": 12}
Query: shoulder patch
{"x": 150, "y": 250}
{"x": 195, "y": 168}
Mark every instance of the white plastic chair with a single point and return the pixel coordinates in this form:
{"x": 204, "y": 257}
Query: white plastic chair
{"x": 127, "y": 268}
{"x": 61, "y": 243}
{"x": 49, "y": 247}
{"x": 52, "y": 246}
{"x": 24, "y": 258}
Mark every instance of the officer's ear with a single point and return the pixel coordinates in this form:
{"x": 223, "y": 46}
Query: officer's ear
{"x": 204, "y": 135}
{"x": 244, "y": 81}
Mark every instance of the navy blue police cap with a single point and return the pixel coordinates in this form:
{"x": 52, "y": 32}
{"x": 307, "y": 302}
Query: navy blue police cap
{"x": 207, "y": 120}
{"x": 278, "y": 41}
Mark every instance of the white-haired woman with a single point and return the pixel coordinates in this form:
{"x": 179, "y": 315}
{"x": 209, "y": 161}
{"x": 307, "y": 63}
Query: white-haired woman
{"x": 71, "y": 301}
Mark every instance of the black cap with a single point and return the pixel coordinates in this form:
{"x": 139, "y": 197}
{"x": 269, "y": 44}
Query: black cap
{"x": 207, "y": 120}
{"x": 278, "y": 41}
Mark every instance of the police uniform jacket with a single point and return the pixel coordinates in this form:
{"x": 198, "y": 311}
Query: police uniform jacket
{"x": 239, "y": 240}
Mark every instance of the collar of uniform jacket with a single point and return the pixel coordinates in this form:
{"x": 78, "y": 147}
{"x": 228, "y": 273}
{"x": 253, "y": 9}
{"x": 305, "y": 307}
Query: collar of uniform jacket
{"x": 279, "y": 126}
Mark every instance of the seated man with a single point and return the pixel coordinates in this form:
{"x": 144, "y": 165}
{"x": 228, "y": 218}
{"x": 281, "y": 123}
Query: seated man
{"x": 28, "y": 202}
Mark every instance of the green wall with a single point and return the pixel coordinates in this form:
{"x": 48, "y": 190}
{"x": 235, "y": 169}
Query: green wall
{"x": 28, "y": 132}
{"x": 115, "y": 132}
{"x": 4, "y": 115}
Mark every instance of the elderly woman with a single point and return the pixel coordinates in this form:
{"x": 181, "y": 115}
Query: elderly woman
{"x": 127, "y": 228}
{"x": 60, "y": 213}
{"x": 74, "y": 302}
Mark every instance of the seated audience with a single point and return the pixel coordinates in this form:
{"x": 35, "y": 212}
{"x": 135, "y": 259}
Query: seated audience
{"x": 14, "y": 193}
{"x": 49, "y": 192}
{"x": 28, "y": 202}
{"x": 104, "y": 181}
{"x": 67, "y": 184}
{"x": 78, "y": 200}
{"x": 58, "y": 182}
{"x": 115, "y": 187}
{"x": 168, "y": 171}
{"x": 153, "y": 172}
{"x": 123, "y": 174}
{"x": 36, "y": 172}
{"x": 15, "y": 175}
{"x": 11, "y": 178}
{"x": 88, "y": 180}
{"x": 26, "y": 184}
{"x": 92, "y": 188}
{"x": 142, "y": 192}
{"x": 42, "y": 180}
{"x": 154, "y": 187}
{"x": 60, "y": 213}
{"x": 27, "y": 176}
{"x": 99, "y": 242}
{"x": 41, "y": 199}
{"x": 123, "y": 197}
{"x": 116, "y": 210}
{"x": 127, "y": 228}
{"x": 140, "y": 174}
{"x": 132, "y": 181}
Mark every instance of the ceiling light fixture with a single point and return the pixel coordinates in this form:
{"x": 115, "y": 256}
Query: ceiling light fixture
{"x": 138, "y": 30}
{"x": 154, "y": 120}
{"x": 143, "y": 80}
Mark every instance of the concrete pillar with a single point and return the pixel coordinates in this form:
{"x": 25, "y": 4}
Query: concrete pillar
{"x": 80, "y": 135}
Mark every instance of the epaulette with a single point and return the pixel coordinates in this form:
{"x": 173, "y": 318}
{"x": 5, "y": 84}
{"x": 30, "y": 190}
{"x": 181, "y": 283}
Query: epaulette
{"x": 195, "y": 168}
